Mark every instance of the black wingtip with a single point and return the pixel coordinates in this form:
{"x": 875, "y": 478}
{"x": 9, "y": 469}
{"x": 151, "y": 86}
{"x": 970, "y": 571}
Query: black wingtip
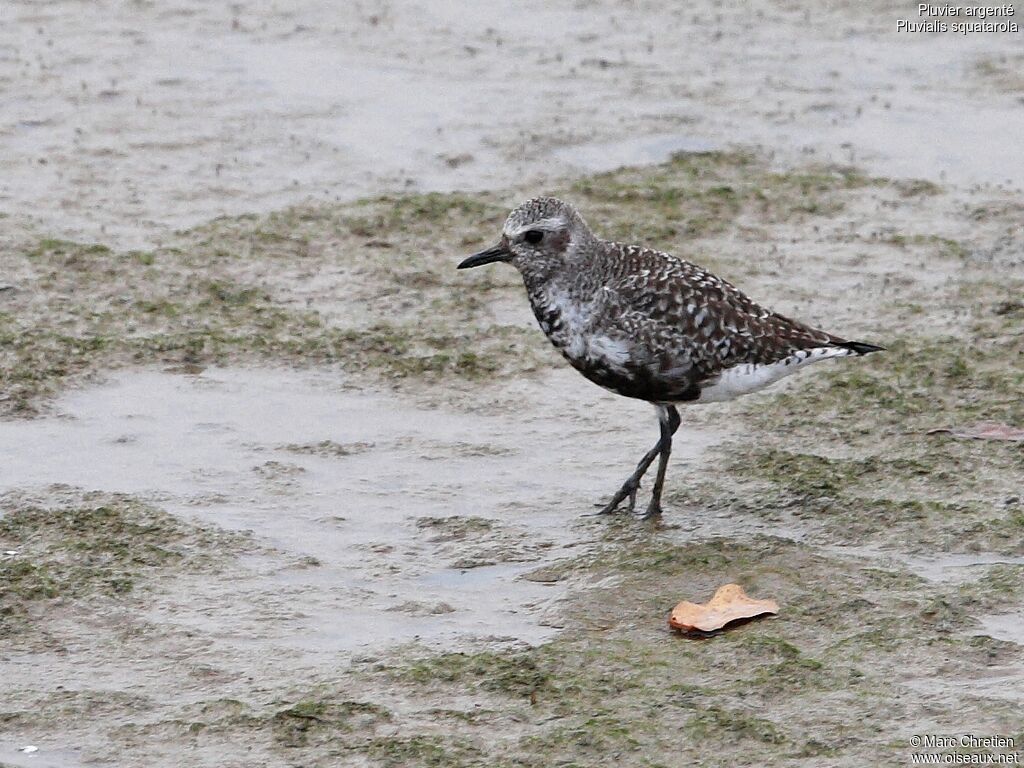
{"x": 860, "y": 347}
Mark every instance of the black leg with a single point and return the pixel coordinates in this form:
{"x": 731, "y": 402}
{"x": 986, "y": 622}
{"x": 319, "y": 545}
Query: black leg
{"x": 632, "y": 484}
{"x": 668, "y": 417}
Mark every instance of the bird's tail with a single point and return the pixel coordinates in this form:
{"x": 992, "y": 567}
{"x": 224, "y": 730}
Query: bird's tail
{"x": 859, "y": 347}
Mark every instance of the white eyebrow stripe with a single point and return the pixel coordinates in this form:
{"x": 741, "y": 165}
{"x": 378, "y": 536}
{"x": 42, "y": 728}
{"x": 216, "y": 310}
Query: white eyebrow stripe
{"x": 550, "y": 224}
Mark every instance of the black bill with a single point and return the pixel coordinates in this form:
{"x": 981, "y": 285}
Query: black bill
{"x": 496, "y": 253}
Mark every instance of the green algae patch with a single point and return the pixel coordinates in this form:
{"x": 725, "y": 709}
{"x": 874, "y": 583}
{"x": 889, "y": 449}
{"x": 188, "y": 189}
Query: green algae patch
{"x": 368, "y": 286}
{"x": 836, "y": 667}
{"x": 98, "y": 545}
{"x": 702, "y": 194}
{"x": 517, "y": 675}
{"x": 323, "y": 719}
{"x": 878, "y": 474}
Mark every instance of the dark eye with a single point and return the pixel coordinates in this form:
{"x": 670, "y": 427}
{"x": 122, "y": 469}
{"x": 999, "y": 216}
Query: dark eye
{"x": 534, "y": 236}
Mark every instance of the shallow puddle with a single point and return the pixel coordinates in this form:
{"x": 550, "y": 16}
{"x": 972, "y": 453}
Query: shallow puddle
{"x": 957, "y": 567}
{"x": 1004, "y": 626}
{"x": 394, "y": 522}
{"x": 381, "y": 522}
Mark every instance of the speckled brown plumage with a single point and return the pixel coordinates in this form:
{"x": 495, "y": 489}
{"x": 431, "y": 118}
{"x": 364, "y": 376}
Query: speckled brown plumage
{"x": 649, "y": 325}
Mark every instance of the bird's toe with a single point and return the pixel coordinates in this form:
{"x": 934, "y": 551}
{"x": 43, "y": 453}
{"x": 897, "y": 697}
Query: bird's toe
{"x": 653, "y": 511}
{"x": 610, "y": 508}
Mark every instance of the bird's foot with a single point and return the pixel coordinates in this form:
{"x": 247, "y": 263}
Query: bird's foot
{"x": 628, "y": 490}
{"x": 652, "y": 512}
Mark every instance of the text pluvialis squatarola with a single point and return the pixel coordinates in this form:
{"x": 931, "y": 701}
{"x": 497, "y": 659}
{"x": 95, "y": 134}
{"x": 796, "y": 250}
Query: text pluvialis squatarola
{"x": 649, "y": 325}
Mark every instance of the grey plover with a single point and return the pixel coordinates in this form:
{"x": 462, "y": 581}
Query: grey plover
{"x": 649, "y": 325}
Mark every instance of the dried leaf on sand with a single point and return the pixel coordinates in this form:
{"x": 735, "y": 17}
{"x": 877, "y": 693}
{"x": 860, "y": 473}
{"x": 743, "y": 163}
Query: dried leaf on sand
{"x": 983, "y": 430}
{"x": 730, "y": 603}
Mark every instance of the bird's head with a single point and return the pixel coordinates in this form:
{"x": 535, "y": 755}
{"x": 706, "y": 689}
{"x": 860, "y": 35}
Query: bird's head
{"x": 540, "y": 235}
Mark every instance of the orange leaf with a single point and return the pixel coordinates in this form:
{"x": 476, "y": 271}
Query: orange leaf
{"x": 728, "y": 604}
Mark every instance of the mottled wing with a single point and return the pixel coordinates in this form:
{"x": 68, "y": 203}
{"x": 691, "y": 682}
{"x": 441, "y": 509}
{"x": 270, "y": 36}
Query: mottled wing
{"x": 686, "y": 325}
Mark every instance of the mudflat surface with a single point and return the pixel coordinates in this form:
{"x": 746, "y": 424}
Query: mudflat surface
{"x": 124, "y": 122}
{"x": 281, "y": 487}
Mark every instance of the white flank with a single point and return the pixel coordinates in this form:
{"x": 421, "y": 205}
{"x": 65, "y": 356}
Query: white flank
{"x": 575, "y": 315}
{"x": 612, "y": 353}
{"x": 747, "y": 378}
{"x": 581, "y": 342}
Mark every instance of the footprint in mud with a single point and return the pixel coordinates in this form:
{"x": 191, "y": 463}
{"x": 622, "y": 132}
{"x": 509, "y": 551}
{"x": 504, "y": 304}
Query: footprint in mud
{"x": 327, "y": 449}
{"x": 280, "y": 476}
{"x": 416, "y": 608}
{"x": 472, "y": 542}
{"x": 435, "y": 449}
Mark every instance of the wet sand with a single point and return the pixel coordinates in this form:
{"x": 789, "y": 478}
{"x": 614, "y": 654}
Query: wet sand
{"x": 376, "y": 473}
{"x": 122, "y": 123}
